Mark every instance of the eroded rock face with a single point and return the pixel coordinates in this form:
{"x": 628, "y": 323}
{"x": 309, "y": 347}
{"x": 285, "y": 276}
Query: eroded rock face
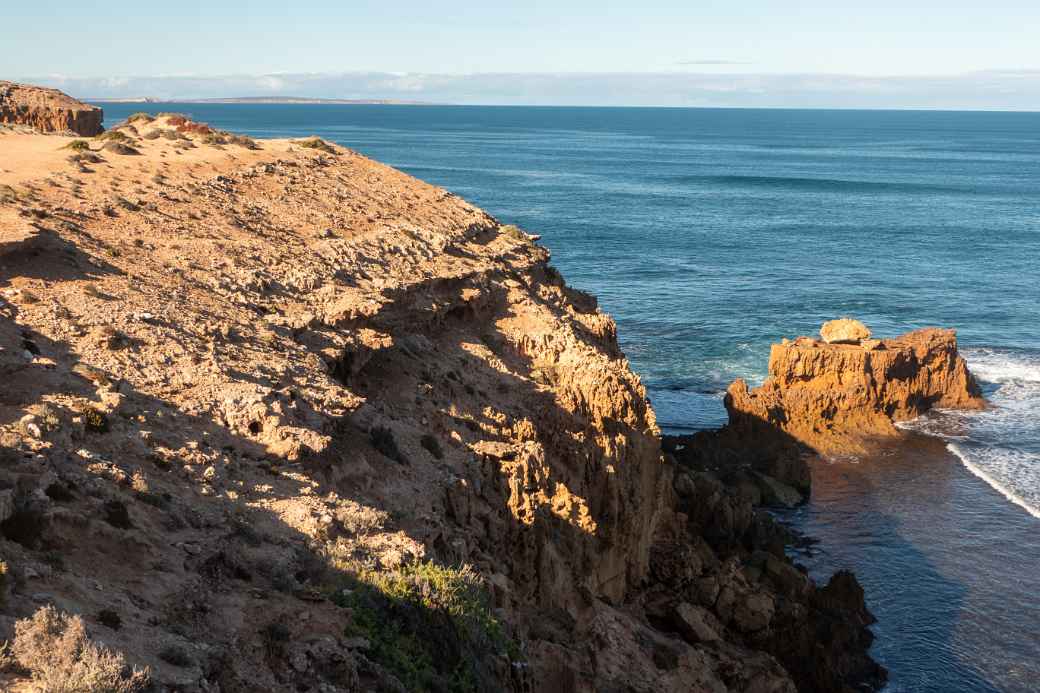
{"x": 47, "y": 110}
{"x": 834, "y": 397}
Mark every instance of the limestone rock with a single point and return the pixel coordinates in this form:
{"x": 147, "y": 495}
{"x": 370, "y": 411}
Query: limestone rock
{"x": 844, "y": 331}
{"x": 47, "y": 110}
{"x": 836, "y": 397}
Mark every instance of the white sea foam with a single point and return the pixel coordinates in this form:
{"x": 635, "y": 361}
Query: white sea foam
{"x": 1000, "y": 445}
{"x": 1003, "y": 460}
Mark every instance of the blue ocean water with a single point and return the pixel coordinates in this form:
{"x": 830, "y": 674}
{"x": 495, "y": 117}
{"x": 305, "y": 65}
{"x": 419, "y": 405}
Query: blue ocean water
{"x": 711, "y": 233}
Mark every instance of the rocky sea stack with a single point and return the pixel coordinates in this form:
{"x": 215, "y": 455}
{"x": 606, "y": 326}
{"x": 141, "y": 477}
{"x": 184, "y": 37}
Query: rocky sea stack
{"x": 837, "y": 395}
{"x": 47, "y": 110}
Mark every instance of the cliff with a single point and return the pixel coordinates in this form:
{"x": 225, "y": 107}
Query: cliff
{"x": 47, "y": 110}
{"x": 278, "y": 417}
{"x": 835, "y": 397}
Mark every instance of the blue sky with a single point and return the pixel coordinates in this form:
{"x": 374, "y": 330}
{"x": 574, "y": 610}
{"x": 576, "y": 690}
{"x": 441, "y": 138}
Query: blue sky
{"x": 961, "y": 54}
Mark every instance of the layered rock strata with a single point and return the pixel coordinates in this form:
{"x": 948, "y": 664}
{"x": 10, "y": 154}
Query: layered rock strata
{"x": 47, "y": 110}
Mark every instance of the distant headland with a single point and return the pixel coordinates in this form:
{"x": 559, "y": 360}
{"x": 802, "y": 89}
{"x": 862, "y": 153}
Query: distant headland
{"x": 267, "y": 100}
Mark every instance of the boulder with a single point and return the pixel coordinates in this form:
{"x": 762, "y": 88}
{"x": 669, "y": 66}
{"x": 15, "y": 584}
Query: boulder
{"x": 696, "y": 624}
{"x": 844, "y": 331}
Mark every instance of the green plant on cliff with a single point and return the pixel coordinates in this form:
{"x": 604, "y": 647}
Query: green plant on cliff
{"x": 317, "y": 143}
{"x": 78, "y": 145}
{"x": 430, "y": 625}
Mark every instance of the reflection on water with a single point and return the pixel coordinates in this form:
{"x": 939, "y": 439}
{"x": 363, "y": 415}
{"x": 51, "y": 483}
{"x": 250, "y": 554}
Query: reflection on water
{"x": 949, "y": 568}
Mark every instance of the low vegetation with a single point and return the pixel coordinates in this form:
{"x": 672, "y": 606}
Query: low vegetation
{"x": 78, "y": 145}
{"x": 429, "y": 625}
{"x": 317, "y": 143}
{"x": 54, "y": 648}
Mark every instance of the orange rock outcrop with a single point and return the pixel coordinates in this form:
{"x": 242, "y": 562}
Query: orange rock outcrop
{"x": 47, "y": 110}
{"x": 835, "y": 397}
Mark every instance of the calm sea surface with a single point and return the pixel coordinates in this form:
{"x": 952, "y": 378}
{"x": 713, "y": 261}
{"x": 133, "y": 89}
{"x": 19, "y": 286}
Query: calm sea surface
{"x": 709, "y": 234}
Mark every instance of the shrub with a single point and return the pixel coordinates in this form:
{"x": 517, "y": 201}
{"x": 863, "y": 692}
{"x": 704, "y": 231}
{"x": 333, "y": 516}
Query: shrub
{"x": 87, "y": 157}
{"x": 142, "y": 116}
{"x": 152, "y": 135}
{"x": 8, "y": 194}
{"x": 53, "y": 646}
{"x": 317, "y": 143}
{"x": 514, "y": 232}
{"x": 243, "y": 141}
{"x": 95, "y": 420}
{"x": 113, "y": 136}
{"x": 120, "y": 148}
{"x": 78, "y": 145}
{"x": 432, "y": 626}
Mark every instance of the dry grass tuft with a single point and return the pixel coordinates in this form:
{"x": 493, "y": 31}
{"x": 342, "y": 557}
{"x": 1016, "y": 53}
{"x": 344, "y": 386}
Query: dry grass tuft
{"x": 53, "y": 646}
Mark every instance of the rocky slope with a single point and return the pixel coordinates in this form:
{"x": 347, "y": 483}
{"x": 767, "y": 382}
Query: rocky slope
{"x": 47, "y": 110}
{"x": 279, "y": 417}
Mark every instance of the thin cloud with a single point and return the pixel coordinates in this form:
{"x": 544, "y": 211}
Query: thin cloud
{"x": 989, "y": 90}
{"x": 712, "y": 62}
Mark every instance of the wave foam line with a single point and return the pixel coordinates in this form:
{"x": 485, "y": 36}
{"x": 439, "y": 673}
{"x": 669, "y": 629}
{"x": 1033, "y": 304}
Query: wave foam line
{"x": 998, "y": 486}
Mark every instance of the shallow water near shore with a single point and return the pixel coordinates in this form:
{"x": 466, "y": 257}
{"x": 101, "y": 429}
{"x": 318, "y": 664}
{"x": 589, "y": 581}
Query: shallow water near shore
{"x": 711, "y": 233}
{"x": 949, "y": 569}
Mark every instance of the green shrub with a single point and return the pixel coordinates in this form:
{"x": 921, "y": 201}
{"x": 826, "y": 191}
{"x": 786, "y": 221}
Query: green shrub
{"x": 78, "y": 145}
{"x": 113, "y": 136}
{"x": 430, "y": 625}
{"x": 317, "y": 143}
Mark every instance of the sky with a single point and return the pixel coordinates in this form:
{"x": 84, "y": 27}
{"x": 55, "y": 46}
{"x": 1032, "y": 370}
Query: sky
{"x": 914, "y": 53}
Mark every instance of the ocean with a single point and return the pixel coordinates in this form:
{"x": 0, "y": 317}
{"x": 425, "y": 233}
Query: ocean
{"x": 711, "y": 233}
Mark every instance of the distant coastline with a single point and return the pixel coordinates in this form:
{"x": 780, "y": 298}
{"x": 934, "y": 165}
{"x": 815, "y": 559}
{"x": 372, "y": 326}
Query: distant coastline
{"x": 266, "y": 100}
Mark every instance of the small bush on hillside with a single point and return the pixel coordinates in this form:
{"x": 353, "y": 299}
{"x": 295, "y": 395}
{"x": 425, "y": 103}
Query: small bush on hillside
{"x": 317, "y": 143}
{"x": 432, "y": 626}
{"x": 120, "y": 148}
{"x": 53, "y": 646}
{"x": 152, "y": 135}
{"x": 243, "y": 141}
{"x": 142, "y": 116}
{"x": 8, "y": 194}
{"x": 78, "y": 145}
{"x": 113, "y": 136}
{"x": 513, "y": 232}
